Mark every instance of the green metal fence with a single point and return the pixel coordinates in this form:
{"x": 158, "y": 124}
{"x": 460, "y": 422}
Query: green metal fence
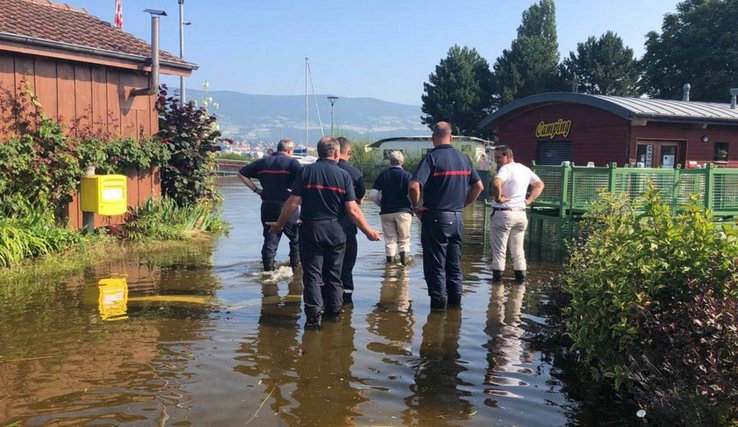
{"x": 569, "y": 189}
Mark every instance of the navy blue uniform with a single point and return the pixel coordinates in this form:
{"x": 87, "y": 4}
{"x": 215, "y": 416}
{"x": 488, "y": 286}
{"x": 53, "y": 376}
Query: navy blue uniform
{"x": 392, "y": 182}
{"x": 445, "y": 175}
{"x": 276, "y": 173}
{"x": 352, "y": 246}
{"x": 324, "y": 188}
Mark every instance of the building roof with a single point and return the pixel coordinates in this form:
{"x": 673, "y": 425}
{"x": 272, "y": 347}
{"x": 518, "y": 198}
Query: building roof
{"x": 660, "y": 110}
{"x": 45, "y": 24}
{"x": 379, "y": 143}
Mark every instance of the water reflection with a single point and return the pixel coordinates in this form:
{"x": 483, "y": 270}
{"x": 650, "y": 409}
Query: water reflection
{"x": 392, "y": 317}
{"x": 439, "y": 395}
{"x": 505, "y": 347}
{"x": 327, "y": 393}
{"x": 272, "y": 353}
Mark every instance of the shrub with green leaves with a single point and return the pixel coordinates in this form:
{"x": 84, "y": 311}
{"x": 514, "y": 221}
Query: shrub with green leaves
{"x": 653, "y": 304}
{"x": 191, "y": 135}
{"x": 164, "y": 219}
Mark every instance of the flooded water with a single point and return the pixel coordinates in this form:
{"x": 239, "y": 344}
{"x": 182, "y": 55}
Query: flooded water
{"x": 203, "y": 338}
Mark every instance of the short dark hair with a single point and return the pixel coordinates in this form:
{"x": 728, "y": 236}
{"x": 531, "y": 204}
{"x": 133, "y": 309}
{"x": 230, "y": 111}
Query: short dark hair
{"x": 345, "y": 144}
{"x": 327, "y": 146}
{"x": 285, "y": 144}
{"x": 504, "y": 150}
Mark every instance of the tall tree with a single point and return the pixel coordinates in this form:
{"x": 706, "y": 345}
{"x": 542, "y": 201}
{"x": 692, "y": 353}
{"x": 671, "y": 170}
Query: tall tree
{"x": 459, "y": 91}
{"x": 530, "y": 66}
{"x": 698, "y": 45}
{"x": 602, "y": 66}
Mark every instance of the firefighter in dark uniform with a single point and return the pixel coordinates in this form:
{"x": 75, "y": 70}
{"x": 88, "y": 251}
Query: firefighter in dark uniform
{"x": 276, "y": 173}
{"x": 352, "y": 247}
{"x": 449, "y": 184}
{"x": 326, "y": 193}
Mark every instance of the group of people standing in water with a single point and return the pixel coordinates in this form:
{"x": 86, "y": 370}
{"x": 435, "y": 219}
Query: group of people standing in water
{"x": 328, "y": 195}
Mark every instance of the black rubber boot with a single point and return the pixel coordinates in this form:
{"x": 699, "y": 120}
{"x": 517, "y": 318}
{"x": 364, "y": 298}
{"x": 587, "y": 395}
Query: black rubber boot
{"x": 313, "y": 320}
{"x": 348, "y": 300}
{"x": 497, "y": 275}
{"x": 438, "y": 303}
{"x": 294, "y": 261}
{"x": 454, "y": 300}
{"x": 390, "y": 259}
{"x": 404, "y": 258}
{"x": 268, "y": 265}
{"x": 520, "y": 276}
{"x": 333, "y": 314}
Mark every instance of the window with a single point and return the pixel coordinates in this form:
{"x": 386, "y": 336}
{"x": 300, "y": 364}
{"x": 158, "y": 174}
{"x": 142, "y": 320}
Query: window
{"x": 721, "y": 152}
{"x": 553, "y": 152}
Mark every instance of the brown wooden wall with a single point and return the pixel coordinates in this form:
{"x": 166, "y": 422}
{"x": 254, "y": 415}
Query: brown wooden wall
{"x": 691, "y": 134}
{"x": 97, "y": 96}
{"x": 602, "y": 137}
{"x": 596, "y": 135}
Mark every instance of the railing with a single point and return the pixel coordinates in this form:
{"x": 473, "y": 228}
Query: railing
{"x": 569, "y": 189}
{"x": 229, "y": 167}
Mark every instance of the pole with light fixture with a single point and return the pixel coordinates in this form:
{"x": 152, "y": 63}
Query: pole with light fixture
{"x": 332, "y": 99}
{"x": 181, "y": 49}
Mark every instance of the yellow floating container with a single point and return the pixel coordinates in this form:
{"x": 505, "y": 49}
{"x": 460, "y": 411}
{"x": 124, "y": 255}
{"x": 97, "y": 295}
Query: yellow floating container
{"x": 104, "y": 194}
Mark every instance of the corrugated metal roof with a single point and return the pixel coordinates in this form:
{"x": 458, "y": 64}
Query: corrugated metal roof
{"x": 627, "y": 108}
{"x": 43, "y": 21}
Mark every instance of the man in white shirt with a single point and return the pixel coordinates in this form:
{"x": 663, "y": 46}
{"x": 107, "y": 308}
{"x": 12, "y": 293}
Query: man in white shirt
{"x": 509, "y": 220}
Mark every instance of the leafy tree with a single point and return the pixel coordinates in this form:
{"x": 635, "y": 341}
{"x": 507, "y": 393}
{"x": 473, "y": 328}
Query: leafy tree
{"x": 530, "y": 66}
{"x": 697, "y": 46}
{"x": 459, "y": 91}
{"x": 603, "y": 67}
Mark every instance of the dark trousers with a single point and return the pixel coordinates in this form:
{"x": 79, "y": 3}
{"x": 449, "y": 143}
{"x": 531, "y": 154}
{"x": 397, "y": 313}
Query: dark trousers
{"x": 441, "y": 236}
{"x": 270, "y": 213}
{"x": 322, "y": 245}
{"x": 349, "y": 258}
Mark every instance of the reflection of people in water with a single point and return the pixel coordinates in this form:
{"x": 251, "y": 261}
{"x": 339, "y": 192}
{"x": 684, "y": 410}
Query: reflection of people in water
{"x": 437, "y": 398}
{"x": 505, "y": 352}
{"x": 392, "y": 317}
{"x": 324, "y": 393}
{"x": 272, "y": 353}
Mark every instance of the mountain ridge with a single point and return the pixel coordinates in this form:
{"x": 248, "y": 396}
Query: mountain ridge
{"x": 272, "y": 117}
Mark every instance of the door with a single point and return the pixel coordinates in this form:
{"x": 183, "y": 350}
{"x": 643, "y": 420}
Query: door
{"x": 659, "y": 154}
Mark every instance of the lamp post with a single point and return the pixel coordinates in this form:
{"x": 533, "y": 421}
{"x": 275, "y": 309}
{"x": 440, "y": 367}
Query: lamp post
{"x": 181, "y": 49}
{"x": 332, "y": 99}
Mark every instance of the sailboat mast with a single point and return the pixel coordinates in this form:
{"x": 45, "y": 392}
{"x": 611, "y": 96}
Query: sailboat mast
{"x": 307, "y": 132}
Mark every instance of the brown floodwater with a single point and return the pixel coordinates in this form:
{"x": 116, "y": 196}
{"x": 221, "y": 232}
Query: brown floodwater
{"x": 201, "y": 337}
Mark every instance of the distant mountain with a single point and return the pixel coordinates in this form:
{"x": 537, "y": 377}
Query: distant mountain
{"x": 272, "y": 117}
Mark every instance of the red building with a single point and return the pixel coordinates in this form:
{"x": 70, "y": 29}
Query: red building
{"x": 554, "y": 127}
{"x": 83, "y": 70}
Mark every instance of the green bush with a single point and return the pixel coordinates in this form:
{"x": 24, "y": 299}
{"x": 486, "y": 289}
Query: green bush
{"x": 191, "y": 135}
{"x": 653, "y": 293}
{"x": 33, "y": 235}
{"x": 164, "y": 219}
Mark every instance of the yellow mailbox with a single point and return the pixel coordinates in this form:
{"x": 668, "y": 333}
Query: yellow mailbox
{"x": 104, "y": 194}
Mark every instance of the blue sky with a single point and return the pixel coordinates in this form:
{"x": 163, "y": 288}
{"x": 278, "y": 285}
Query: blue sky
{"x": 379, "y": 49}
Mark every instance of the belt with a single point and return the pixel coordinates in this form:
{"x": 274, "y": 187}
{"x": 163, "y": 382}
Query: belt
{"x": 508, "y": 209}
{"x": 304, "y": 221}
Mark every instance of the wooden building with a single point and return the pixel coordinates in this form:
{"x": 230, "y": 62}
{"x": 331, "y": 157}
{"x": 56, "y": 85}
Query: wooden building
{"x": 586, "y": 129}
{"x": 84, "y": 70}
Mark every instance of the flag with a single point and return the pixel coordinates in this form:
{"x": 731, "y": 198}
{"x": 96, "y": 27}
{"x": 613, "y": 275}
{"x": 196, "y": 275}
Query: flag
{"x": 118, "y": 21}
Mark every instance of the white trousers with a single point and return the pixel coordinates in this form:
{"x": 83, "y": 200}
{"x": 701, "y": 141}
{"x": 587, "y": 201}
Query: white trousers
{"x": 396, "y": 229}
{"x": 508, "y": 230}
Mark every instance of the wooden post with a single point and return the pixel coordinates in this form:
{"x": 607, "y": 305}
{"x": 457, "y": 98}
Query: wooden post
{"x": 709, "y": 186}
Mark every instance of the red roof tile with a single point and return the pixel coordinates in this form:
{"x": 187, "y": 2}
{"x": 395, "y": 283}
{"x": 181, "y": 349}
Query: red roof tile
{"x": 56, "y": 22}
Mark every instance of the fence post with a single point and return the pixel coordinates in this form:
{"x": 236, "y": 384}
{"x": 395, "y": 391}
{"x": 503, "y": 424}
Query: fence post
{"x": 611, "y": 177}
{"x": 709, "y": 186}
{"x": 564, "y": 204}
{"x": 675, "y": 188}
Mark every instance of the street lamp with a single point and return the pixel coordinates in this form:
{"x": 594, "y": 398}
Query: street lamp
{"x": 181, "y": 49}
{"x": 332, "y": 99}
